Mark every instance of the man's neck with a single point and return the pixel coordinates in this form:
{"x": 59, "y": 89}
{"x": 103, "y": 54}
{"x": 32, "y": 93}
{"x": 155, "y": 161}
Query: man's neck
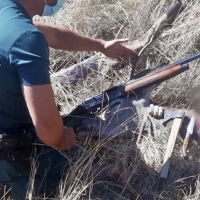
{"x": 32, "y": 7}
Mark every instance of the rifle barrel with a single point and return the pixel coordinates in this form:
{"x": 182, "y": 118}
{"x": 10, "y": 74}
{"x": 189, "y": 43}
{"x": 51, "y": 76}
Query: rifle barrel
{"x": 186, "y": 60}
{"x": 182, "y": 63}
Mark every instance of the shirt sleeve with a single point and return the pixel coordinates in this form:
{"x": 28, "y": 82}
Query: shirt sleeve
{"x": 30, "y": 56}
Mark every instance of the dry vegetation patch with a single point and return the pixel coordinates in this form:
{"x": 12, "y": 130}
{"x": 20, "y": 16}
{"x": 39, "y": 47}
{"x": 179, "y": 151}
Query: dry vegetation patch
{"x": 127, "y": 171}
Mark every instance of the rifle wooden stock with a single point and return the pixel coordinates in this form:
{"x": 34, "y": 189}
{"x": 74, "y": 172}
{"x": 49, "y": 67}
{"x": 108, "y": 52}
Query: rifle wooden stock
{"x": 155, "y": 77}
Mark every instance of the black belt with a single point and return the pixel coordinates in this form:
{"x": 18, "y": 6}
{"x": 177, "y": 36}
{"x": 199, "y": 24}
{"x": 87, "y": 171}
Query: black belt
{"x": 16, "y": 148}
{"x": 16, "y": 140}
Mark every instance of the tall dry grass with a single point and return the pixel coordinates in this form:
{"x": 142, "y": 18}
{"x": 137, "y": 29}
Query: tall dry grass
{"x": 127, "y": 171}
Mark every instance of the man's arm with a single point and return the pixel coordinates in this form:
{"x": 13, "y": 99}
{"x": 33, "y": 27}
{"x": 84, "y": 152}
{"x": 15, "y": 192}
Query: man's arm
{"x": 32, "y": 65}
{"x": 65, "y": 39}
{"x": 46, "y": 118}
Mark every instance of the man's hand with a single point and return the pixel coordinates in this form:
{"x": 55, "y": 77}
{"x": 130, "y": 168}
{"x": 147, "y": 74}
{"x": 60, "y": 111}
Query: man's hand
{"x": 65, "y": 39}
{"x": 69, "y": 139}
{"x": 115, "y": 50}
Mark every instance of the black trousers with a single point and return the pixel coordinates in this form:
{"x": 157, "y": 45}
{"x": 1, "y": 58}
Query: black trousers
{"x": 49, "y": 163}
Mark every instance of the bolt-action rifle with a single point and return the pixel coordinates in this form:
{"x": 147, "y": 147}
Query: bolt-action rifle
{"x": 93, "y": 106}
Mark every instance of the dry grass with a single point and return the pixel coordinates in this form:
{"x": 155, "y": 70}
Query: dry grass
{"x": 127, "y": 171}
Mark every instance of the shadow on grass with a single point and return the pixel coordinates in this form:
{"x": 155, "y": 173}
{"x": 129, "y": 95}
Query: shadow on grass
{"x": 133, "y": 179}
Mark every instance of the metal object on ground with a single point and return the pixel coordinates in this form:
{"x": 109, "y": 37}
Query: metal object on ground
{"x": 160, "y": 112}
{"x": 189, "y": 133}
{"x": 171, "y": 114}
{"x": 156, "y": 109}
{"x": 151, "y": 110}
{"x": 165, "y": 115}
{"x": 171, "y": 143}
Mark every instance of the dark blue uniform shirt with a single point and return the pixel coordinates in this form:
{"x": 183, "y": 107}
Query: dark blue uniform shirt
{"x": 24, "y": 60}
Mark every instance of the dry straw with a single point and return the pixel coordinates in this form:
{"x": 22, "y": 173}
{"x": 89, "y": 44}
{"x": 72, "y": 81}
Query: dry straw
{"x": 127, "y": 171}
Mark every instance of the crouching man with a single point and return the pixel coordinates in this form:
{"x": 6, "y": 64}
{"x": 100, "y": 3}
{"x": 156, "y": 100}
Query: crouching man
{"x": 28, "y": 113}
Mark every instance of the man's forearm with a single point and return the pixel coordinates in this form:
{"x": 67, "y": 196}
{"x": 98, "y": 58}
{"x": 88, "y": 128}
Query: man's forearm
{"x": 65, "y": 39}
{"x": 72, "y": 41}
